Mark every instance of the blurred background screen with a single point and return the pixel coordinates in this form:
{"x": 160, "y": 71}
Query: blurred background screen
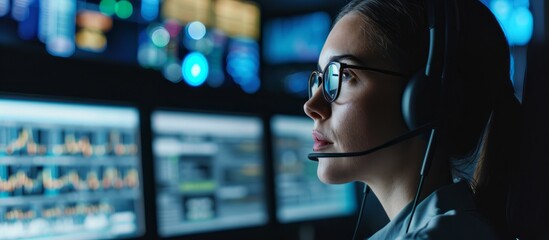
{"x": 209, "y": 172}
{"x": 69, "y": 171}
{"x": 296, "y": 38}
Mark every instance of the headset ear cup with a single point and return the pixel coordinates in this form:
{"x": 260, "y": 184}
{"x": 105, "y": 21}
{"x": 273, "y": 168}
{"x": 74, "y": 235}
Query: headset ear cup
{"x": 420, "y": 100}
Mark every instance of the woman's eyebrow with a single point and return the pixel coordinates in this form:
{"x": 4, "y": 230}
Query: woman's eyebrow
{"x": 350, "y": 57}
{"x": 339, "y": 58}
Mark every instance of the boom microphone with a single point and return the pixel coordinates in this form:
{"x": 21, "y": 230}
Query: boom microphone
{"x": 401, "y": 138}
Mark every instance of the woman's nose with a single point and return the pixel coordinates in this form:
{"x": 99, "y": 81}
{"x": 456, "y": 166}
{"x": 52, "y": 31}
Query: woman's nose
{"x": 317, "y": 108}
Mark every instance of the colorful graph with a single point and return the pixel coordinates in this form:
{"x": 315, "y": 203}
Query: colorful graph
{"x": 48, "y": 180}
{"x": 29, "y": 141}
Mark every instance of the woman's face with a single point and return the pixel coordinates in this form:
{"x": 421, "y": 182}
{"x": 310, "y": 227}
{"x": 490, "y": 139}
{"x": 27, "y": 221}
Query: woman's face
{"x": 366, "y": 113}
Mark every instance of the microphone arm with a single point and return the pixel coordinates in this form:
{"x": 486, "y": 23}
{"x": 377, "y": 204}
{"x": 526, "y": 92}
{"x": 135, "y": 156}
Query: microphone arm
{"x": 410, "y": 134}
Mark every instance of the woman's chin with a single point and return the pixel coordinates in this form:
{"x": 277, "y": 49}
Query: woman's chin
{"x": 332, "y": 173}
{"x": 329, "y": 180}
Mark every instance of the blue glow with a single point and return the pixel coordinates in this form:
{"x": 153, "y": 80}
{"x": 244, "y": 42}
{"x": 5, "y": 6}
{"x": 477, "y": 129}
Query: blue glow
{"x": 196, "y": 30}
{"x": 43, "y": 19}
{"x": 521, "y": 26}
{"x": 150, "y": 56}
{"x": 252, "y": 86}
{"x": 160, "y": 37}
{"x": 172, "y": 72}
{"x": 515, "y": 18}
{"x": 60, "y": 46}
{"x": 28, "y": 27}
{"x": 522, "y": 3}
{"x": 149, "y": 9}
{"x": 61, "y": 25}
{"x": 195, "y": 69}
{"x": 501, "y": 9}
{"x": 4, "y": 7}
{"x": 20, "y": 9}
{"x": 297, "y": 82}
{"x": 243, "y": 64}
{"x": 4, "y": 175}
{"x": 295, "y": 39}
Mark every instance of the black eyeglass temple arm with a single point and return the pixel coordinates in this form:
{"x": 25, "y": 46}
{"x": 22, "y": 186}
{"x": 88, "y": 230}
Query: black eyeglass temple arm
{"x": 343, "y": 65}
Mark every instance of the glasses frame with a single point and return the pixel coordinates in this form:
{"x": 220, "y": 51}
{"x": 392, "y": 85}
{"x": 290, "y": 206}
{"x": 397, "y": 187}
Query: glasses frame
{"x": 342, "y": 66}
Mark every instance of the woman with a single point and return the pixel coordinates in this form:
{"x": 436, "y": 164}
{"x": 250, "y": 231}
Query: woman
{"x": 378, "y": 44}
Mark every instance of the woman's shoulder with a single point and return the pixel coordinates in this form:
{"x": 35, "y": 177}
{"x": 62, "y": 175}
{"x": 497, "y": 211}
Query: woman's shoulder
{"x": 448, "y": 213}
{"x": 455, "y": 225}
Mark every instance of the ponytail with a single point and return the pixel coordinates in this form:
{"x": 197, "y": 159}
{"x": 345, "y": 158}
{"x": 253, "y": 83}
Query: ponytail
{"x": 502, "y": 148}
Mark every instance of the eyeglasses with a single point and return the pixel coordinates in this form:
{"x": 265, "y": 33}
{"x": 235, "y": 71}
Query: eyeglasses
{"x": 334, "y": 73}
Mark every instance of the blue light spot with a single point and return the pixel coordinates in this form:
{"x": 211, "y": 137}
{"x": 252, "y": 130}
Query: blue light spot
{"x": 172, "y": 72}
{"x": 60, "y": 46}
{"x": 501, "y": 9}
{"x": 515, "y": 18}
{"x": 295, "y": 39}
{"x": 20, "y": 10}
{"x": 251, "y": 86}
{"x": 149, "y": 9}
{"x": 60, "y": 30}
{"x": 195, "y": 69}
{"x": 521, "y": 26}
{"x": 4, "y": 7}
{"x": 242, "y": 66}
{"x": 297, "y": 82}
{"x": 150, "y": 56}
{"x": 196, "y": 30}
{"x": 522, "y": 3}
{"x": 28, "y": 28}
{"x": 160, "y": 37}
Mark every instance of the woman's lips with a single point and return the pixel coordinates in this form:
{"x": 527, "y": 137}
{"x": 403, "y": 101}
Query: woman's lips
{"x": 321, "y": 142}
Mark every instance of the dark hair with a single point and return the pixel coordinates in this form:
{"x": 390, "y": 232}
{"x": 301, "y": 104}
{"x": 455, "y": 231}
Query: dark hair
{"x": 482, "y": 133}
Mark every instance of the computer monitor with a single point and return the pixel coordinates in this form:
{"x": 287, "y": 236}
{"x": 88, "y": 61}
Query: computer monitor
{"x": 69, "y": 171}
{"x": 300, "y": 195}
{"x": 209, "y": 172}
{"x": 295, "y": 39}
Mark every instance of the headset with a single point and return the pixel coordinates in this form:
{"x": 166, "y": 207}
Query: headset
{"x": 426, "y": 99}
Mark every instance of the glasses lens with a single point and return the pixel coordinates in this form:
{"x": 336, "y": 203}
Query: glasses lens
{"x": 314, "y": 83}
{"x": 331, "y": 82}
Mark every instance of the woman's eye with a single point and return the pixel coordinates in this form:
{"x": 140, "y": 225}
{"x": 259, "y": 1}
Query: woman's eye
{"x": 346, "y": 75}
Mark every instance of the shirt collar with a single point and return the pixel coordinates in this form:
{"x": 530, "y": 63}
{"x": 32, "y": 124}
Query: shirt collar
{"x": 452, "y": 197}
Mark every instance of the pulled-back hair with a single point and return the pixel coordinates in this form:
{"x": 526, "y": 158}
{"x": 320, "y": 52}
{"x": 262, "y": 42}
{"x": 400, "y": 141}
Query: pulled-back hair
{"x": 481, "y": 136}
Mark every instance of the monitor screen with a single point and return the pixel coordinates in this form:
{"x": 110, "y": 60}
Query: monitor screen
{"x": 300, "y": 196}
{"x": 69, "y": 171}
{"x": 209, "y": 172}
{"x": 295, "y": 39}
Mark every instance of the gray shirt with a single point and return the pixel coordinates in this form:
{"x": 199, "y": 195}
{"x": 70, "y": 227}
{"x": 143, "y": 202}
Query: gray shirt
{"x": 447, "y": 213}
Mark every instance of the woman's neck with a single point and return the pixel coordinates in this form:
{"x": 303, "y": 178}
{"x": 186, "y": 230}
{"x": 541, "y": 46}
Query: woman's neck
{"x": 397, "y": 190}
